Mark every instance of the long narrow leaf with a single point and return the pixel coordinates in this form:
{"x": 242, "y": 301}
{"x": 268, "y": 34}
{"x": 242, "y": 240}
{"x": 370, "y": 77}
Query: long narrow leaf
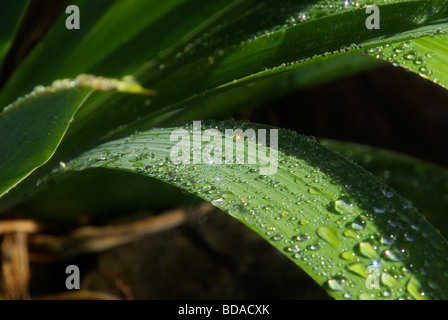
{"x": 332, "y": 218}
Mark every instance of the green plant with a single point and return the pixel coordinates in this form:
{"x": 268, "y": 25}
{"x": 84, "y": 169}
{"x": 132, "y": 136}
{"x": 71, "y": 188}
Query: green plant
{"x": 327, "y": 214}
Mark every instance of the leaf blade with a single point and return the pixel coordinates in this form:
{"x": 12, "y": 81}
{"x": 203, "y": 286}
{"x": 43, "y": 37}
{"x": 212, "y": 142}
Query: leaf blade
{"x": 33, "y": 127}
{"x": 314, "y": 209}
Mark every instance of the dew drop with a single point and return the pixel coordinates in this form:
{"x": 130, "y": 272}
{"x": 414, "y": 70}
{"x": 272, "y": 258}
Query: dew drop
{"x": 411, "y": 55}
{"x": 343, "y": 207}
{"x": 348, "y": 255}
{"x": 313, "y": 247}
{"x": 314, "y": 190}
{"x": 277, "y": 238}
{"x": 379, "y": 210}
{"x": 359, "y": 223}
{"x": 419, "y": 61}
{"x": 386, "y": 293}
{"x": 336, "y": 284}
{"x": 395, "y": 254}
{"x": 367, "y": 250}
{"x": 388, "y": 239}
{"x": 302, "y": 237}
{"x": 358, "y": 269}
{"x": 228, "y": 195}
{"x": 218, "y": 202}
{"x": 389, "y": 280}
{"x": 293, "y": 249}
{"x": 424, "y": 70}
{"x": 351, "y": 234}
{"x": 414, "y": 287}
{"x": 329, "y": 235}
{"x": 388, "y": 194}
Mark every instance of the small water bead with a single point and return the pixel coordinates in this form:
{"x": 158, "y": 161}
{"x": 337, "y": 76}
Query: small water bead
{"x": 415, "y": 288}
{"x": 313, "y": 247}
{"x": 314, "y": 190}
{"x": 388, "y": 239}
{"x": 392, "y": 222}
{"x": 228, "y": 195}
{"x": 348, "y": 255}
{"x": 299, "y": 181}
{"x": 411, "y": 55}
{"x": 336, "y": 284}
{"x": 424, "y": 71}
{"x": 388, "y": 194}
{"x": 329, "y": 235}
{"x": 359, "y": 223}
{"x": 293, "y": 249}
{"x": 386, "y": 293}
{"x": 395, "y": 255}
{"x": 299, "y": 255}
{"x": 407, "y": 269}
{"x": 302, "y": 237}
{"x": 285, "y": 213}
{"x": 351, "y": 234}
{"x": 388, "y": 280}
{"x": 419, "y": 61}
{"x": 430, "y": 55}
{"x": 379, "y": 210}
{"x": 367, "y": 250}
{"x": 277, "y": 238}
{"x": 358, "y": 269}
{"x": 343, "y": 207}
{"x": 39, "y": 89}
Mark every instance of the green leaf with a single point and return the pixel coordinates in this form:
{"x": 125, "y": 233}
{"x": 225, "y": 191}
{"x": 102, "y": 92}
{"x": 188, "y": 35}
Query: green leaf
{"x": 31, "y": 130}
{"x": 427, "y": 56}
{"x": 33, "y": 127}
{"x": 325, "y": 213}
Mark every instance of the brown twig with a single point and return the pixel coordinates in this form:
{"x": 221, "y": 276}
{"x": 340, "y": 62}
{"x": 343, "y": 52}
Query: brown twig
{"x": 15, "y": 267}
{"x": 90, "y": 239}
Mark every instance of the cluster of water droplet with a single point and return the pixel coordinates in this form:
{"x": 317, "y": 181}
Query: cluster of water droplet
{"x": 326, "y": 214}
{"x": 322, "y": 9}
{"x": 126, "y": 84}
{"x": 410, "y": 55}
